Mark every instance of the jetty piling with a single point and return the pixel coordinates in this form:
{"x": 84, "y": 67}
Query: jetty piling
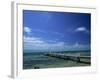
{"x": 76, "y": 58}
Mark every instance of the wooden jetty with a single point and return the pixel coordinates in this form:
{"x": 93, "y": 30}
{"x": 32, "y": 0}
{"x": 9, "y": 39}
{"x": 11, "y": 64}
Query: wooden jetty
{"x": 80, "y": 59}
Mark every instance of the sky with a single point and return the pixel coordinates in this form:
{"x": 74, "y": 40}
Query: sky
{"x": 56, "y": 31}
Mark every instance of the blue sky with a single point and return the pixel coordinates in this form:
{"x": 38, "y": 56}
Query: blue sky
{"x": 56, "y": 31}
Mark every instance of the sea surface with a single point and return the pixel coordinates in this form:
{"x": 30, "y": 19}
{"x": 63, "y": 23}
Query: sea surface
{"x": 38, "y": 60}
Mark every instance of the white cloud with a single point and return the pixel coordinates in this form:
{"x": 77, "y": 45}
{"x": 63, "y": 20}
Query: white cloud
{"x": 80, "y": 46}
{"x": 81, "y": 29}
{"x": 34, "y": 43}
{"x": 27, "y": 30}
{"x": 33, "y": 40}
{"x": 76, "y": 45}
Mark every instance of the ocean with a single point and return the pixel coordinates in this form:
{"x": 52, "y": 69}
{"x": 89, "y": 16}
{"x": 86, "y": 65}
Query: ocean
{"x": 38, "y": 60}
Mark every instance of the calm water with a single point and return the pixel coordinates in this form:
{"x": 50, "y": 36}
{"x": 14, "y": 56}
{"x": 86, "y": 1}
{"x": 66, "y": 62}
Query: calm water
{"x": 34, "y": 60}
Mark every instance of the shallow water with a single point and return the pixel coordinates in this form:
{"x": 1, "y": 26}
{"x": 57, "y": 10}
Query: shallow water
{"x": 36, "y": 59}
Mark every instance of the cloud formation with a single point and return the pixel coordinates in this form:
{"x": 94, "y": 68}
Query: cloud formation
{"x": 34, "y": 43}
{"x": 38, "y": 44}
{"x": 81, "y": 29}
{"x": 27, "y": 30}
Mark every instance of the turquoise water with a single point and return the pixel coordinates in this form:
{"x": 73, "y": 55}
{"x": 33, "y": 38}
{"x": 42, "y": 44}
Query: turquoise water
{"x": 32, "y": 60}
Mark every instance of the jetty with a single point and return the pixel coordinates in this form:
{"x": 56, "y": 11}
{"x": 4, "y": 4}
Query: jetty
{"x": 77, "y": 58}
